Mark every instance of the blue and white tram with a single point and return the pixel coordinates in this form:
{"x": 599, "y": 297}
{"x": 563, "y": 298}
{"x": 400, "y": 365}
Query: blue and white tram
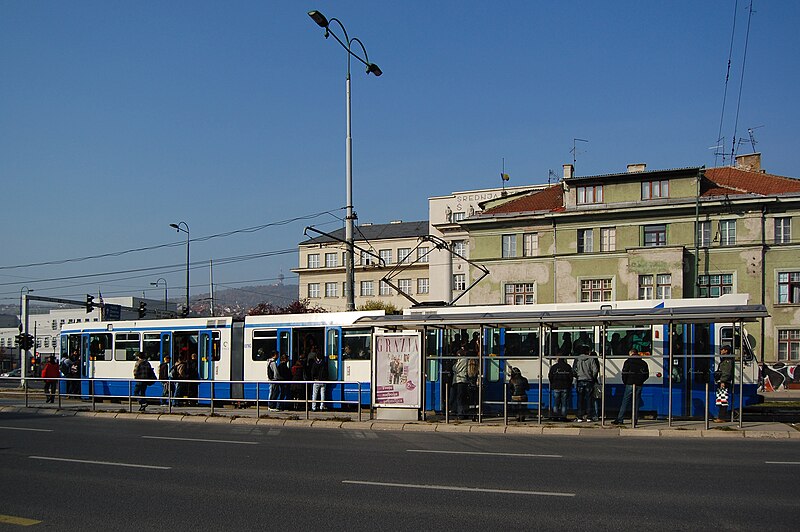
{"x": 224, "y": 349}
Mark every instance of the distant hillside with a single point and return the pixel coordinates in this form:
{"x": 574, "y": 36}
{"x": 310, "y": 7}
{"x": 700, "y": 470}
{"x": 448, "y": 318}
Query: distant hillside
{"x": 237, "y": 301}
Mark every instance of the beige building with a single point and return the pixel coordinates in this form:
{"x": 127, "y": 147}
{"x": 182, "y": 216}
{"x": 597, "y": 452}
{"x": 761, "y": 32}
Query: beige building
{"x": 394, "y": 249}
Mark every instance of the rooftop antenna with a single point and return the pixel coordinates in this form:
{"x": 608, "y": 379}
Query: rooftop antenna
{"x": 753, "y": 141}
{"x": 504, "y": 176}
{"x": 741, "y": 81}
{"x": 574, "y": 151}
{"x": 551, "y": 176}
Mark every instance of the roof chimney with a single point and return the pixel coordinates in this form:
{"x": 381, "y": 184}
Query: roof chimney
{"x": 749, "y": 163}
{"x": 636, "y": 167}
{"x": 569, "y": 170}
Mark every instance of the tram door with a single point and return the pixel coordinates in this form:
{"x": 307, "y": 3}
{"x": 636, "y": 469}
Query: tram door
{"x": 285, "y": 343}
{"x": 333, "y": 354}
{"x": 165, "y": 348}
{"x": 85, "y": 364}
{"x": 437, "y": 371}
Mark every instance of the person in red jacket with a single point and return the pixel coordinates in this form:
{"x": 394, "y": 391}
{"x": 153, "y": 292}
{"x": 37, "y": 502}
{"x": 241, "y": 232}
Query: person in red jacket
{"x": 50, "y": 371}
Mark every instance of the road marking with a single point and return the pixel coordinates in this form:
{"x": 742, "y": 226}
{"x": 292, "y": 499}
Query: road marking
{"x": 783, "y": 463}
{"x": 29, "y": 430}
{"x": 96, "y": 462}
{"x": 200, "y": 440}
{"x": 14, "y": 520}
{"x": 458, "y": 488}
{"x": 484, "y": 453}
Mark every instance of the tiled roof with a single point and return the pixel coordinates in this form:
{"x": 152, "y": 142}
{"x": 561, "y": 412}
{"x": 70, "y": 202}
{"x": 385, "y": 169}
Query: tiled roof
{"x": 377, "y": 232}
{"x": 548, "y": 199}
{"x": 727, "y": 180}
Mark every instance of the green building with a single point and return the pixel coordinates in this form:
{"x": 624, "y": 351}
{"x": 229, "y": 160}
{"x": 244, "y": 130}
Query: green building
{"x": 650, "y": 234}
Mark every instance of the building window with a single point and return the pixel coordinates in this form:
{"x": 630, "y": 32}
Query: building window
{"x": 655, "y": 235}
{"x": 313, "y": 290}
{"x": 509, "y": 246}
{"x": 367, "y": 259}
{"x": 458, "y": 216}
{"x": 520, "y": 294}
{"x": 661, "y": 289}
{"x": 404, "y": 285}
{"x": 423, "y": 286}
{"x": 422, "y": 254}
{"x": 704, "y": 234}
{"x": 655, "y": 189}
{"x": 366, "y": 288}
{"x": 459, "y": 281}
{"x": 330, "y": 260}
{"x": 460, "y": 247}
{"x": 783, "y": 230}
{"x": 385, "y": 289}
{"x": 788, "y": 345}
{"x": 403, "y": 255}
{"x": 608, "y": 239}
{"x": 585, "y": 241}
{"x": 727, "y": 232}
{"x": 530, "y": 244}
{"x": 331, "y": 290}
{"x": 715, "y": 285}
{"x": 596, "y": 290}
{"x": 313, "y": 260}
{"x": 789, "y": 287}
{"x": 590, "y": 194}
{"x": 386, "y": 255}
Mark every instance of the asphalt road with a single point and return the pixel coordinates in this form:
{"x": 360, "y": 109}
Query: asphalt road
{"x": 73, "y": 473}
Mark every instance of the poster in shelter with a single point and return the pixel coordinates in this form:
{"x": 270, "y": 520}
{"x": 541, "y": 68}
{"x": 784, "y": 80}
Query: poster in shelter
{"x": 397, "y": 370}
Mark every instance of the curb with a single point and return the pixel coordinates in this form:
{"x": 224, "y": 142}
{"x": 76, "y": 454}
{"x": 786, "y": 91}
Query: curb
{"x": 791, "y": 433}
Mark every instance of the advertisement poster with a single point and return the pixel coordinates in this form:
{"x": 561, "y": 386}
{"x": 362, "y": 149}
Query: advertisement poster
{"x": 397, "y": 370}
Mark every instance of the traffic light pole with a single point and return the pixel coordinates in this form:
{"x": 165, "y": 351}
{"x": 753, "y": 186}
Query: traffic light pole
{"x": 23, "y": 353}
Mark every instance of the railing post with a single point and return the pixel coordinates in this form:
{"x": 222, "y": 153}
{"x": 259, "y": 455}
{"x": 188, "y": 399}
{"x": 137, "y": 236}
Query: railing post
{"x": 25, "y": 390}
{"x": 258, "y": 400}
{"x": 130, "y": 398}
{"x": 306, "y": 394}
{"x": 59, "y": 393}
{"x": 359, "y": 400}
{"x": 706, "y": 404}
{"x": 212, "y": 396}
{"x": 505, "y": 403}
{"x": 447, "y": 402}
{"x": 91, "y": 390}
{"x": 634, "y": 404}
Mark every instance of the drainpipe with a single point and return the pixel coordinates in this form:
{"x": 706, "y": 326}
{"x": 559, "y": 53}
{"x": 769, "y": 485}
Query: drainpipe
{"x": 555, "y": 264}
{"x": 763, "y": 275}
{"x": 695, "y": 288}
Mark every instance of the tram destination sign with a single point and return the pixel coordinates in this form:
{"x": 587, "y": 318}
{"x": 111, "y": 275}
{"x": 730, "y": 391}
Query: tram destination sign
{"x": 397, "y": 370}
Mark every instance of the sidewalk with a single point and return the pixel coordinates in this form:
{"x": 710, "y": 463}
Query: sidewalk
{"x": 349, "y": 421}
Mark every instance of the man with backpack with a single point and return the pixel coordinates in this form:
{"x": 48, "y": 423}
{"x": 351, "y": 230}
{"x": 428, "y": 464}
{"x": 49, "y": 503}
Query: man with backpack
{"x": 634, "y": 373}
{"x": 274, "y": 387}
{"x": 560, "y": 376}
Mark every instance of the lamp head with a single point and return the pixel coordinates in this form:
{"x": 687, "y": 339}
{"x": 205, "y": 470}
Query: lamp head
{"x": 175, "y": 226}
{"x": 319, "y": 18}
{"x": 372, "y": 68}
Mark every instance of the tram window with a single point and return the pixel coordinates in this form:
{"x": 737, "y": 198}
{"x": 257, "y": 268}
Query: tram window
{"x": 151, "y": 345}
{"x": 520, "y": 343}
{"x": 126, "y": 346}
{"x": 332, "y": 345}
{"x": 264, "y": 343}
{"x": 216, "y": 344}
{"x": 434, "y": 363}
{"x": 356, "y": 344}
{"x": 731, "y": 338}
{"x": 621, "y": 341}
{"x": 100, "y": 346}
{"x": 569, "y": 343}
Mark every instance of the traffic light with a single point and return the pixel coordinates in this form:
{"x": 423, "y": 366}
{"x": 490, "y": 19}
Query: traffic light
{"x": 24, "y": 341}
{"x": 142, "y": 309}
{"x": 18, "y": 339}
{"x": 89, "y": 303}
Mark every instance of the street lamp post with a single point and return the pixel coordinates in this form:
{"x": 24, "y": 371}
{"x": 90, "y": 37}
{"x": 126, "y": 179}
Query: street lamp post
{"x": 372, "y": 68}
{"x": 23, "y": 326}
{"x": 165, "y": 292}
{"x": 178, "y": 228}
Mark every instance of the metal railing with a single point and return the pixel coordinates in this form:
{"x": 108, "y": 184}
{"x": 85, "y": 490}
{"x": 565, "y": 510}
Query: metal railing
{"x": 98, "y": 389}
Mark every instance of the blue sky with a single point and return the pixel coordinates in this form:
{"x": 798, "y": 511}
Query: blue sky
{"x": 119, "y": 118}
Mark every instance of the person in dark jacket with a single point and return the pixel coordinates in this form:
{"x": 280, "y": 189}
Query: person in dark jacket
{"x": 285, "y": 376}
{"x": 167, "y": 388}
{"x": 724, "y": 379}
{"x": 586, "y": 370}
{"x": 634, "y": 373}
{"x": 560, "y": 376}
{"x": 145, "y": 376}
{"x": 519, "y": 394}
{"x": 319, "y": 372}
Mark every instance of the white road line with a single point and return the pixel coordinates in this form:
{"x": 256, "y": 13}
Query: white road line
{"x": 458, "y": 488}
{"x": 483, "y": 453}
{"x": 200, "y": 440}
{"x": 783, "y": 463}
{"x": 96, "y": 462}
{"x": 29, "y": 430}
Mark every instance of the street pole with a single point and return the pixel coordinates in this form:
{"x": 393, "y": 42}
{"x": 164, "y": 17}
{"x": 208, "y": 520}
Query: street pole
{"x": 165, "y": 292}
{"x": 178, "y": 228}
{"x": 372, "y": 68}
{"x": 23, "y": 320}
